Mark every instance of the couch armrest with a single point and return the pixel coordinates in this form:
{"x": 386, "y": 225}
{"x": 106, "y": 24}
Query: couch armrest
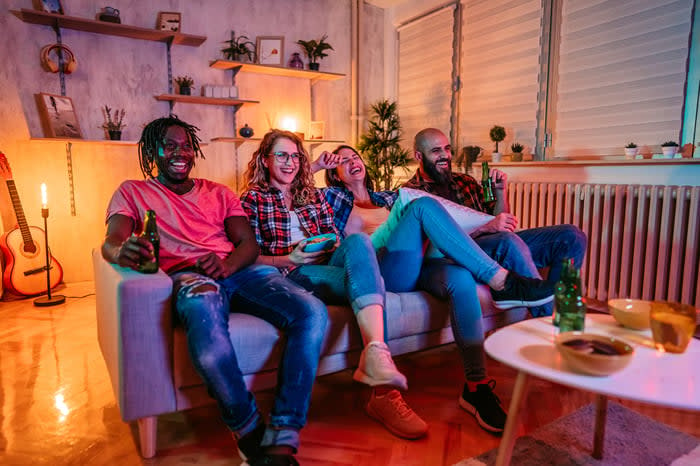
{"x": 135, "y": 332}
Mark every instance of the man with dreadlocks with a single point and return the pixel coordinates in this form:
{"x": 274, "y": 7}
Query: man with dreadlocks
{"x": 208, "y": 248}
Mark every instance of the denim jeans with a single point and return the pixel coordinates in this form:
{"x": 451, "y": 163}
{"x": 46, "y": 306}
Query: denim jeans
{"x": 453, "y": 283}
{"x": 401, "y": 260}
{"x": 528, "y": 250}
{"x": 203, "y": 304}
{"x": 351, "y": 275}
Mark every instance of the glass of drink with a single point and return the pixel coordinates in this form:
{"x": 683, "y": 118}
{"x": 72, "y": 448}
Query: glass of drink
{"x": 672, "y": 325}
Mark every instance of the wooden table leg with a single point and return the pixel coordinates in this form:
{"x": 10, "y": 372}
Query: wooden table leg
{"x": 505, "y": 449}
{"x": 601, "y": 412}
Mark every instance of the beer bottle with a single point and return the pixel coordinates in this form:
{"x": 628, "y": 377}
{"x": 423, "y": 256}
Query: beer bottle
{"x": 487, "y": 184}
{"x": 560, "y": 288}
{"x": 572, "y": 313}
{"x": 150, "y": 232}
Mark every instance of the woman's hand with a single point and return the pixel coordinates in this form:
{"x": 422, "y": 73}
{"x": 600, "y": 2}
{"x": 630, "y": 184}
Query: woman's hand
{"x": 325, "y": 161}
{"x": 300, "y": 257}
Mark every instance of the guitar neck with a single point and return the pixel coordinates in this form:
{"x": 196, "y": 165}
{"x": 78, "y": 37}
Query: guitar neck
{"x": 21, "y": 220}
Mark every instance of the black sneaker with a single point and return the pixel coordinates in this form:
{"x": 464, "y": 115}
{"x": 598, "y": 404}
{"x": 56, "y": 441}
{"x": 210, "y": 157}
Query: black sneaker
{"x": 522, "y": 291}
{"x": 485, "y": 406}
{"x": 249, "y": 444}
{"x": 268, "y": 459}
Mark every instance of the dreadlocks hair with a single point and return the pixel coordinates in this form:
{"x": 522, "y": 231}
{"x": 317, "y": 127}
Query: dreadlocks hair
{"x": 332, "y": 178}
{"x": 152, "y": 139}
{"x": 258, "y": 176}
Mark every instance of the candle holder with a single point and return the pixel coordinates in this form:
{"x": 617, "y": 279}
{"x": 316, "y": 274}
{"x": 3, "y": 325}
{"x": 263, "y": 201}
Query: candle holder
{"x": 48, "y": 300}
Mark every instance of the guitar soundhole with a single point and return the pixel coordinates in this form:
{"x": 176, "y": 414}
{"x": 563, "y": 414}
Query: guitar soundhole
{"x": 29, "y": 248}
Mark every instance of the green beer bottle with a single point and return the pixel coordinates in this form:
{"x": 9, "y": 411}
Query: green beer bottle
{"x": 572, "y": 313}
{"x": 487, "y": 183}
{"x": 150, "y": 232}
{"x": 560, "y": 287}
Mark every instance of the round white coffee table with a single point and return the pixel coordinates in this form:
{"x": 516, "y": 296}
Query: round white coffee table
{"x": 652, "y": 376}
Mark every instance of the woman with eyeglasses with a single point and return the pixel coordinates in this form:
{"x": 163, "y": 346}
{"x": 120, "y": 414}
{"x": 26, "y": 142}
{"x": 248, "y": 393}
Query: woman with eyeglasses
{"x": 401, "y": 251}
{"x": 286, "y": 211}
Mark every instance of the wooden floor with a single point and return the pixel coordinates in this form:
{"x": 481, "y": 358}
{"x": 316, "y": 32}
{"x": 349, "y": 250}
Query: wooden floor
{"x": 57, "y": 405}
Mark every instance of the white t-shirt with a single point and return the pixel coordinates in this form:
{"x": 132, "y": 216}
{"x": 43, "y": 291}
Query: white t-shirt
{"x": 190, "y": 225}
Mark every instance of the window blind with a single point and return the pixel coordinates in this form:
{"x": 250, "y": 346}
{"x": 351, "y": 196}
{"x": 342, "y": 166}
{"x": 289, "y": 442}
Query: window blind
{"x": 621, "y": 75}
{"x": 425, "y": 73}
{"x": 499, "y": 71}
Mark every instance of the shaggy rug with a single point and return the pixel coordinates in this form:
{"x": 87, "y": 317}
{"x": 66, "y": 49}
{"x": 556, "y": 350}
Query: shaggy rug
{"x": 630, "y": 439}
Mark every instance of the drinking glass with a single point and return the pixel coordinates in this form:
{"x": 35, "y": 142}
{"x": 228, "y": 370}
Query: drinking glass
{"x": 672, "y": 325}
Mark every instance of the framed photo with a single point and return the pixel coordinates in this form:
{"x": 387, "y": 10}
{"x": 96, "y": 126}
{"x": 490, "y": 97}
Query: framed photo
{"x": 270, "y": 50}
{"x": 316, "y": 129}
{"x": 170, "y": 21}
{"x": 50, "y": 6}
{"x": 58, "y": 116}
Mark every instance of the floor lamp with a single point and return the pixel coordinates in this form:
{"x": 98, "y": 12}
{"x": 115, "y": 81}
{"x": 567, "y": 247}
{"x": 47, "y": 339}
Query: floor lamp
{"x": 48, "y": 300}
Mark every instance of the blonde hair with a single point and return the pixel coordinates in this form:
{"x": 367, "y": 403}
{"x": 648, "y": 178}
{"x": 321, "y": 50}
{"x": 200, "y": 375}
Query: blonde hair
{"x": 258, "y": 176}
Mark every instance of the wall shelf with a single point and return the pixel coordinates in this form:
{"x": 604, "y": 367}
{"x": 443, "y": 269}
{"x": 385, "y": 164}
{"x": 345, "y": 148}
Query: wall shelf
{"x": 103, "y": 27}
{"x": 275, "y": 70}
{"x": 195, "y": 99}
{"x": 311, "y": 142}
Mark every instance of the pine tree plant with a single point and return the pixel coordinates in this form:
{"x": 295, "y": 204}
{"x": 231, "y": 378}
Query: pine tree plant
{"x": 379, "y": 146}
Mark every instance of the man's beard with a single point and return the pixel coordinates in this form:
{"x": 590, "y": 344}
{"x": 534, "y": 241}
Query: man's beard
{"x": 437, "y": 175}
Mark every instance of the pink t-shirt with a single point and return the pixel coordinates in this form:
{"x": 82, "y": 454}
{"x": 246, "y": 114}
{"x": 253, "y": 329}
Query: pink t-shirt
{"x": 190, "y": 224}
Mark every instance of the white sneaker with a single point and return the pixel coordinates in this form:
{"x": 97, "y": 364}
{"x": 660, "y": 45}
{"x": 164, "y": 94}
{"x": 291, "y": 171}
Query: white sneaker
{"x": 377, "y": 368}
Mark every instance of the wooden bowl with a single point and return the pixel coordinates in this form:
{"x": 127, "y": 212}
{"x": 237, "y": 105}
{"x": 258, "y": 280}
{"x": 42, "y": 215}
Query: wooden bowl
{"x": 631, "y": 313}
{"x": 593, "y": 354}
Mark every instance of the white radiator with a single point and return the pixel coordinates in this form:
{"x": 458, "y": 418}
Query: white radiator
{"x": 642, "y": 239}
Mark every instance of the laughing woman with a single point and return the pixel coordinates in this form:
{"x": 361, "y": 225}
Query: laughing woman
{"x": 285, "y": 211}
{"x": 405, "y": 267}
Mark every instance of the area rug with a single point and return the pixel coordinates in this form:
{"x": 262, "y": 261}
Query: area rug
{"x": 630, "y": 439}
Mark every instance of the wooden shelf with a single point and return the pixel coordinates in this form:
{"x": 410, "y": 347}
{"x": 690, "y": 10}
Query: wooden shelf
{"x": 103, "y": 27}
{"x": 195, "y": 99}
{"x": 275, "y": 70}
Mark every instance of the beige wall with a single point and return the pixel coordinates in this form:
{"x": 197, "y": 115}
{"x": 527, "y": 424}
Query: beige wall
{"x": 127, "y": 73}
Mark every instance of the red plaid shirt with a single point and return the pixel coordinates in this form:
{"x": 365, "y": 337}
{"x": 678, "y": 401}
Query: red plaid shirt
{"x": 270, "y": 219}
{"x": 463, "y": 189}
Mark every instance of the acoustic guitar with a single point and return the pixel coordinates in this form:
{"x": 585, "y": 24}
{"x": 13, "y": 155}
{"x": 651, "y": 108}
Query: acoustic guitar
{"x": 24, "y": 248}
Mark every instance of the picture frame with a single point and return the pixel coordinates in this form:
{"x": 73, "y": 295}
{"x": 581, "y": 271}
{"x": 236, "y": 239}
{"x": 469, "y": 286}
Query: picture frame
{"x": 316, "y": 129}
{"x": 50, "y": 6}
{"x": 270, "y": 50}
{"x": 58, "y": 116}
{"x": 170, "y": 21}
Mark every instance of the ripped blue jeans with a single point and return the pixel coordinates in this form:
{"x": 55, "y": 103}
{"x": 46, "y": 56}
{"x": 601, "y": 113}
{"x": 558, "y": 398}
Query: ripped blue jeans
{"x": 203, "y": 304}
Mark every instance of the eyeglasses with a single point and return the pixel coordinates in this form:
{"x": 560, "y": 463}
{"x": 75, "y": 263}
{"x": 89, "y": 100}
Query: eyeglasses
{"x": 283, "y": 157}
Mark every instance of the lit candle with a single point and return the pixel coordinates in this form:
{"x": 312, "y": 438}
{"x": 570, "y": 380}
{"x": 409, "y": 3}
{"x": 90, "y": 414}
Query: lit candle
{"x": 44, "y": 203}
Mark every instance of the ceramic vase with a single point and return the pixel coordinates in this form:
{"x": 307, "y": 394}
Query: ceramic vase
{"x": 630, "y": 152}
{"x": 669, "y": 151}
{"x": 296, "y": 61}
{"x": 246, "y": 131}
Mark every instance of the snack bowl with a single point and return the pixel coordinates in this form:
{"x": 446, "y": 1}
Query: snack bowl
{"x": 631, "y": 313}
{"x": 593, "y": 354}
{"x": 320, "y": 242}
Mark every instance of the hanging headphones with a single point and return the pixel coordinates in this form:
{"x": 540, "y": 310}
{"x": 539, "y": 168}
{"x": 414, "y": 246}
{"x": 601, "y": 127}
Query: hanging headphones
{"x": 69, "y": 61}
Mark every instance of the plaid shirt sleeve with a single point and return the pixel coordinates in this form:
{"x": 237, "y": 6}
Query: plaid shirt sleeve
{"x": 340, "y": 202}
{"x": 270, "y": 221}
{"x": 317, "y": 216}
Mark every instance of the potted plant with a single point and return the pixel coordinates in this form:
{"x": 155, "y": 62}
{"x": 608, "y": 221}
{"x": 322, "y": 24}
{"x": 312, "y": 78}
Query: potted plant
{"x": 517, "y": 149}
{"x": 113, "y": 124}
{"x": 184, "y": 84}
{"x": 631, "y": 150}
{"x": 497, "y": 134}
{"x": 239, "y": 48}
{"x": 315, "y": 50}
{"x": 380, "y": 146}
{"x": 669, "y": 149}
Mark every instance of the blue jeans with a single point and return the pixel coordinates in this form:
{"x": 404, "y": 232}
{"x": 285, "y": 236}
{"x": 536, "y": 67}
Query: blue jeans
{"x": 425, "y": 219}
{"x": 351, "y": 275}
{"x": 452, "y": 283}
{"x": 528, "y": 250}
{"x": 203, "y": 304}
